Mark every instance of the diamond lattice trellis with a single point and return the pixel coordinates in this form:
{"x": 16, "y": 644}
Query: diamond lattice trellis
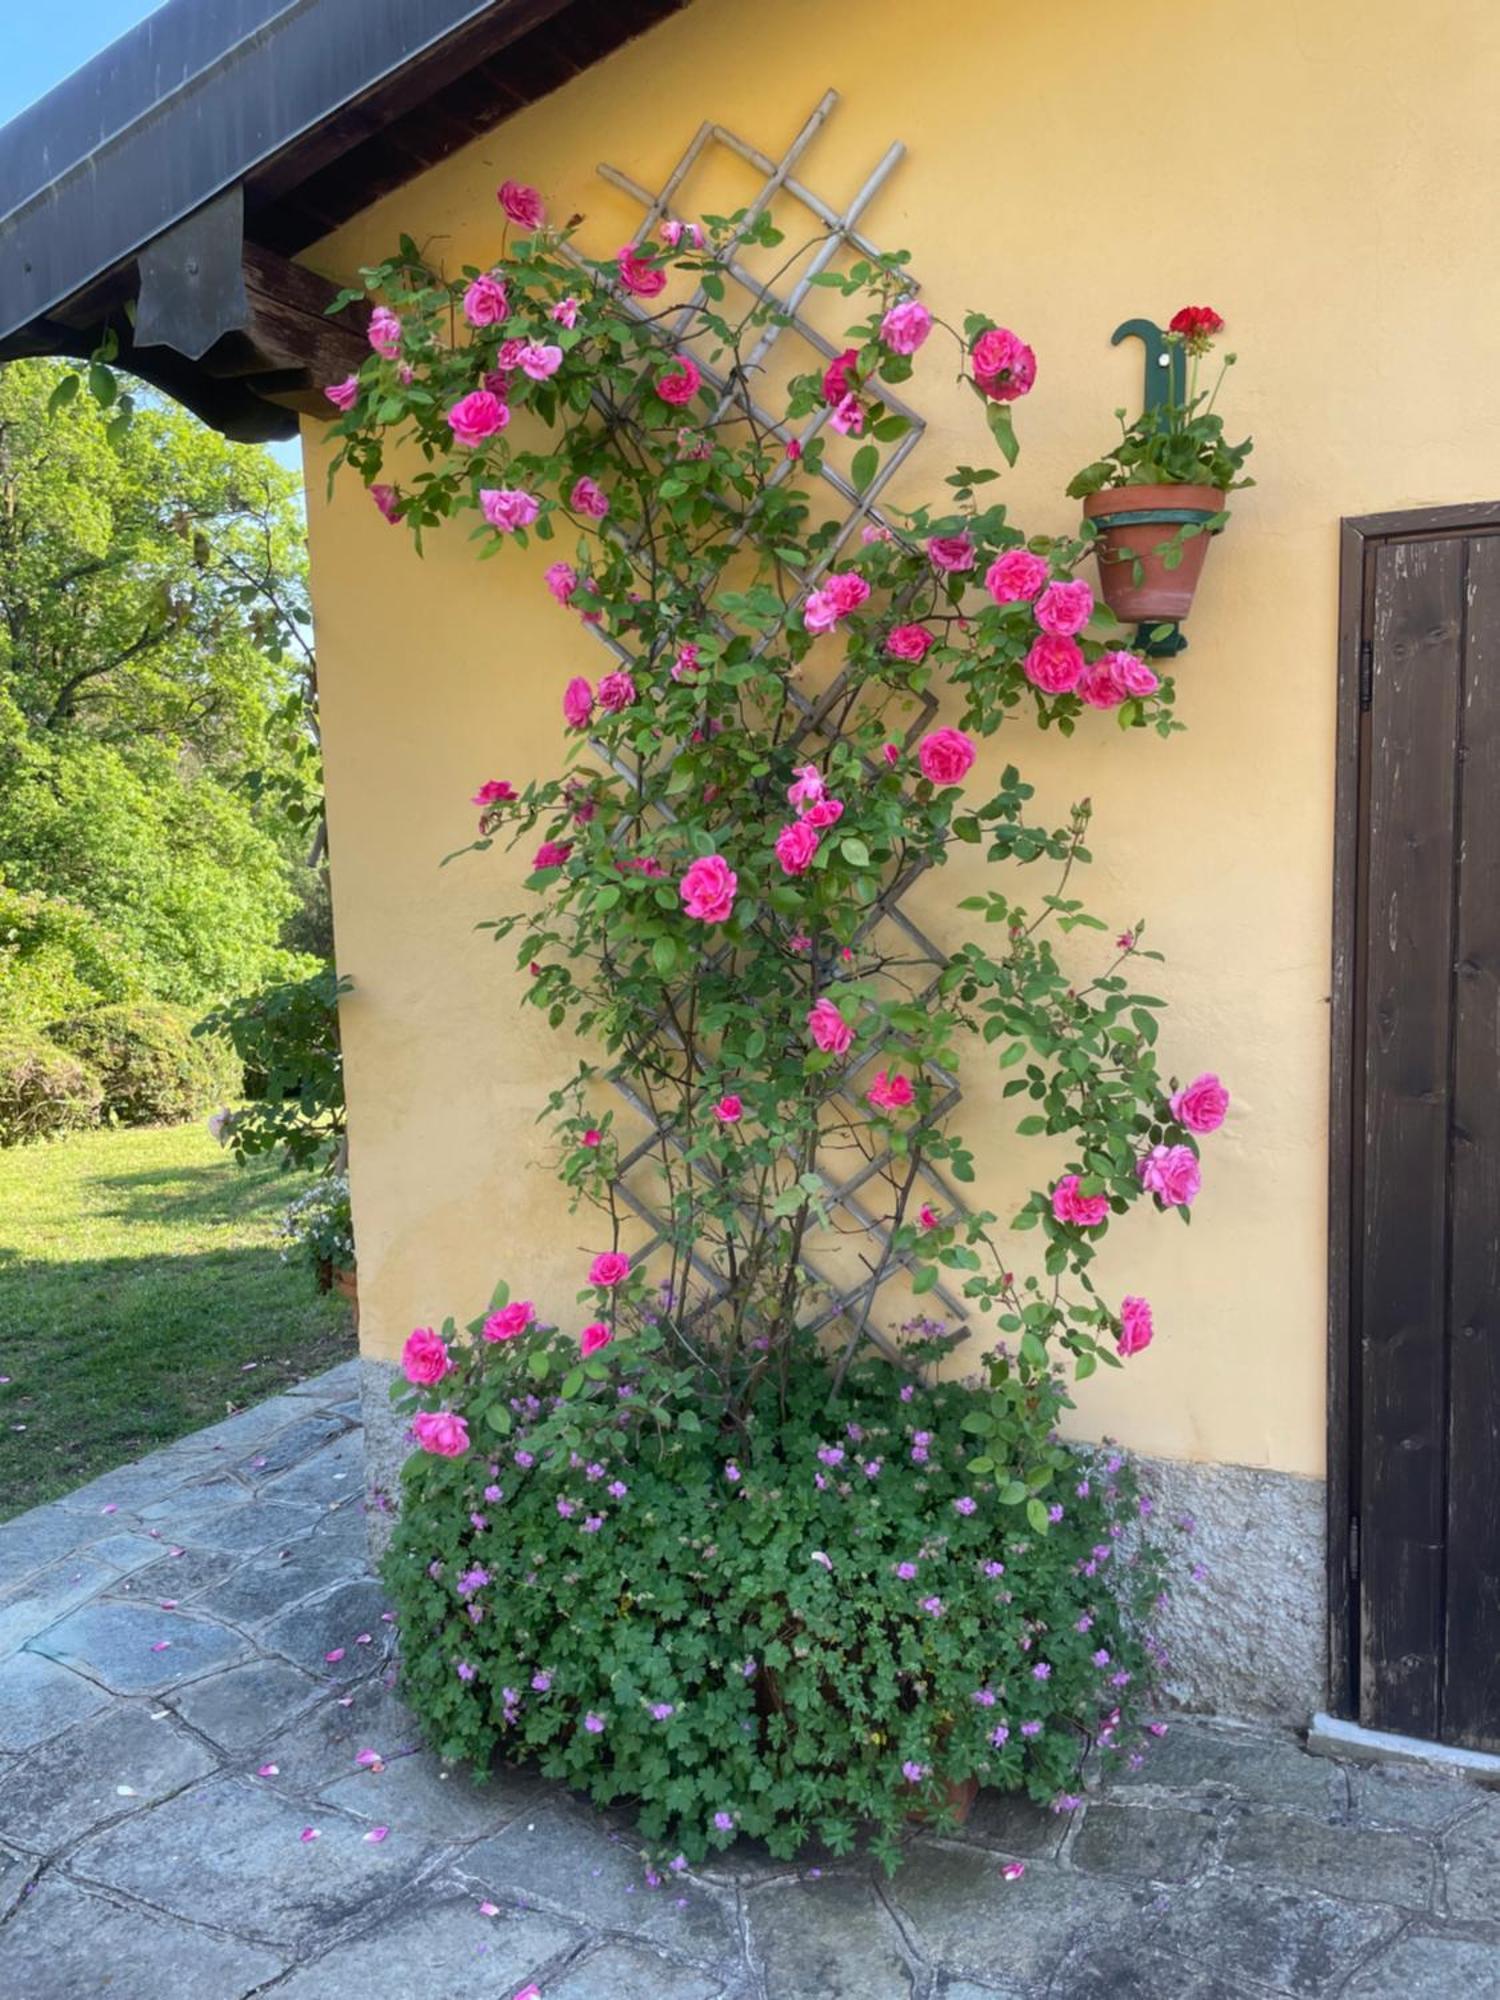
{"x": 842, "y": 1297}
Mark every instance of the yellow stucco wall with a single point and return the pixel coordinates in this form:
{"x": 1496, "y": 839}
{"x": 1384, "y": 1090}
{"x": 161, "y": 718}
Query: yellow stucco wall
{"x": 1323, "y": 172}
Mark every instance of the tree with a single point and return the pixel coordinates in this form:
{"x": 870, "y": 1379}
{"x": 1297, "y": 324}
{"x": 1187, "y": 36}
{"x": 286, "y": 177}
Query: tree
{"x": 157, "y": 764}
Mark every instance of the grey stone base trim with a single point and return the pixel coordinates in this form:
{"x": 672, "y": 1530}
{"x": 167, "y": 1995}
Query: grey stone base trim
{"x": 1250, "y": 1639}
{"x": 385, "y": 1448}
{"x": 1333, "y": 1736}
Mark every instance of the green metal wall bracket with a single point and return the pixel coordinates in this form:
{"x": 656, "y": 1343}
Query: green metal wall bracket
{"x": 1166, "y": 367}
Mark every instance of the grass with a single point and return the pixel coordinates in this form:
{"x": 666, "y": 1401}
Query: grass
{"x": 142, "y": 1294}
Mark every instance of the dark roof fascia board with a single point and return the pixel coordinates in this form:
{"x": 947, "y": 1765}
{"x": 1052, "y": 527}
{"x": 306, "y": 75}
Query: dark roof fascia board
{"x": 86, "y": 183}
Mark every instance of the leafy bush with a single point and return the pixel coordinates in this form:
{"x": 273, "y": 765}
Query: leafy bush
{"x": 153, "y": 1070}
{"x": 318, "y": 1227}
{"x": 44, "y": 1090}
{"x": 57, "y": 958}
{"x": 287, "y": 1038}
{"x": 815, "y": 1621}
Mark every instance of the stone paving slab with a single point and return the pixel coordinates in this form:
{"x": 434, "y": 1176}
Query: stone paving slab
{"x": 143, "y": 1853}
{"x": 64, "y": 1944}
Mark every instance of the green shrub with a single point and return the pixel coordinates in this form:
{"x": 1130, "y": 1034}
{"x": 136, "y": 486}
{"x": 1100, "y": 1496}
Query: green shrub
{"x": 154, "y": 1071}
{"x": 287, "y": 1039}
{"x": 56, "y": 958}
{"x": 44, "y": 1090}
{"x": 815, "y": 1621}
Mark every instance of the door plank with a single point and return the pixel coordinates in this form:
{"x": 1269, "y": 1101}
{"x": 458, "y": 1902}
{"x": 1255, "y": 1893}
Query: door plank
{"x": 1471, "y": 1683}
{"x": 1406, "y": 1028}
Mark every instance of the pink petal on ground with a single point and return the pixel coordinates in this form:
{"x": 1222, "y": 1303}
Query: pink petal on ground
{"x": 112, "y": 1508}
{"x": 176, "y": 1552}
{"x": 346, "y": 1701}
{"x": 246, "y": 1366}
{"x": 309, "y": 1833}
{"x": 269, "y": 1771}
{"x": 256, "y": 1464}
{"x": 161, "y": 1645}
{"x": 529, "y": 1993}
{"x": 1013, "y": 1870}
{"x": 335, "y": 1656}
{"x": 169, "y": 1603}
{"x": 387, "y": 1617}
{"x": 370, "y": 1760}
{"x": 376, "y": 1835}
{"x": 364, "y": 1639}
{"x": 489, "y": 1909}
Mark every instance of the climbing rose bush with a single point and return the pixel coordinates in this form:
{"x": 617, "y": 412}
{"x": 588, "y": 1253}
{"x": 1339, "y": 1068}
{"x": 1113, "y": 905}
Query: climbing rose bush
{"x": 754, "y": 778}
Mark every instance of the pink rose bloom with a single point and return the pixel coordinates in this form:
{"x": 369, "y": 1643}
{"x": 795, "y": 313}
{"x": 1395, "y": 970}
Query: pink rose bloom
{"x": 828, "y": 1028}
{"x": 343, "y": 395}
{"x": 609, "y": 1268}
{"x": 906, "y": 326}
{"x": 824, "y": 813}
{"x": 539, "y": 359}
{"x": 796, "y": 845}
{"x": 951, "y": 553}
{"x": 1135, "y": 676}
{"x": 928, "y": 1217}
{"x": 495, "y": 792}
{"x": 385, "y": 333}
{"x": 807, "y": 786}
{"x": 565, "y": 312}
{"x": 476, "y": 417}
{"x": 1201, "y": 1106}
{"x": 551, "y": 854}
{"x": 672, "y": 232}
{"x": 730, "y": 1109}
{"x": 890, "y": 1093}
{"x": 686, "y": 663}
{"x": 1135, "y": 1327}
{"x": 510, "y": 1321}
{"x": 1101, "y": 686}
{"x": 836, "y": 376}
{"x": 594, "y": 1336}
{"x": 1004, "y": 366}
{"x": 909, "y": 642}
{"x": 1084, "y": 1211}
{"x": 589, "y": 498}
{"x": 638, "y": 274}
{"x": 425, "y": 1358}
{"x": 593, "y": 1137}
{"x": 946, "y": 756}
{"x": 522, "y": 204}
{"x": 1054, "y": 665}
{"x": 578, "y": 703}
{"x": 508, "y": 508}
{"x": 708, "y": 889}
{"x": 1016, "y": 576}
{"x": 388, "y": 500}
{"x": 891, "y": 753}
{"x": 680, "y": 383}
{"x": 486, "y": 302}
{"x": 507, "y": 359}
{"x": 562, "y": 580}
{"x": 793, "y": 449}
{"x": 442, "y": 1432}
{"x": 1065, "y": 608}
{"x": 840, "y": 594}
{"x": 848, "y": 417}
{"x": 616, "y": 691}
{"x": 1172, "y": 1174}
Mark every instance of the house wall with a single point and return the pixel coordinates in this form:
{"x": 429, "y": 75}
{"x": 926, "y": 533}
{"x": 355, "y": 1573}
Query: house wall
{"x": 1324, "y": 176}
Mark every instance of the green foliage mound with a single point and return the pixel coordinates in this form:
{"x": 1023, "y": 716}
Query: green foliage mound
{"x": 152, "y": 1069}
{"x": 45, "y": 1091}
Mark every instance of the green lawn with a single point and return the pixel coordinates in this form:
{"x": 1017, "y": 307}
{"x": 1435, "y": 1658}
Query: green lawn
{"x": 140, "y": 1276}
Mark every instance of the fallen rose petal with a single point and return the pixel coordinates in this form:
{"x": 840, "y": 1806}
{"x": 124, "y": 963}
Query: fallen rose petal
{"x": 335, "y": 1656}
{"x": 364, "y": 1639}
{"x": 370, "y": 1760}
{"x": 309, "y": 1833}
{"x": 345, "y": 1701}
{"x": 176, "y": 1552}
{"x": 387, "y": 1617}
{"x": 376, "y": 1835}
{"x": 169, "y": 1603}
{"x": 269, "y": 1771}
{"x": 1013, "y": 1870}
{"x": 112, "y": 1508}
{"x": 161, "y": 1645}
{"x": 489, "y": 1909}
{"x": 529, "y": 1993}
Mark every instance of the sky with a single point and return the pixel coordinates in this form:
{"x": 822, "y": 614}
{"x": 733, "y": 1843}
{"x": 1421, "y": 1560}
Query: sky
{"x": 41, "y": 45}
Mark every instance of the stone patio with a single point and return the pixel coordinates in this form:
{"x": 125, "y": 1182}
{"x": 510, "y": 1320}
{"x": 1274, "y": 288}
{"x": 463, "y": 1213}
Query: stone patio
{"x": 193, "y": 1655}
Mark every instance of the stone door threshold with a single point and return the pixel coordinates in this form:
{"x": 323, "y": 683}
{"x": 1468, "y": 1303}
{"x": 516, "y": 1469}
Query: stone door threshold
{"x": 1333, "y": 1736}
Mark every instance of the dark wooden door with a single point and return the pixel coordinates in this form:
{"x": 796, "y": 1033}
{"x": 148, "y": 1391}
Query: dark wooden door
{"x": 1421, "y": 992}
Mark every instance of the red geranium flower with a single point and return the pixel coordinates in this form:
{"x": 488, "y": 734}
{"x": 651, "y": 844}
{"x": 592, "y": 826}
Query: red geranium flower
{"x": 1196, "y": 323}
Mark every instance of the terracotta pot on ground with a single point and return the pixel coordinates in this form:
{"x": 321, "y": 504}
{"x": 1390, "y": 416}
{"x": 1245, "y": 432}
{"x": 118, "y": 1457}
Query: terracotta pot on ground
{"x": 1134, "y": 522}
{"x": 959, "y": 1798}
{"x": 346, "y": 1284}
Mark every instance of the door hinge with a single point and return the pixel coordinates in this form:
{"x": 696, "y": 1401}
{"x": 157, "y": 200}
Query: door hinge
{"x": 1354, "y": 1548}
{"x": 1366, "y": 672}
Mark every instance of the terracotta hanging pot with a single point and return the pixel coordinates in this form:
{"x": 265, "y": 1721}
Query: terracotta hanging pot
{"x": 1136, "y": 526}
